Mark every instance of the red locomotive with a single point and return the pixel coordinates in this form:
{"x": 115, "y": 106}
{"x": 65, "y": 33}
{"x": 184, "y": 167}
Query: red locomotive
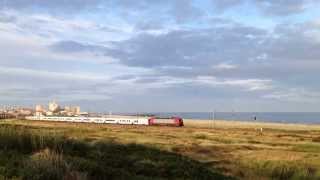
{"x": 173, "y": 121}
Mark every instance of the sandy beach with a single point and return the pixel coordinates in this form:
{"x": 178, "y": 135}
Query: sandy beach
{"x": 246, "y": 124}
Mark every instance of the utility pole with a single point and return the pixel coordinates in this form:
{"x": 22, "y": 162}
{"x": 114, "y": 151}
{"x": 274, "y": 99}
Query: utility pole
{"x": 213, "y": 119}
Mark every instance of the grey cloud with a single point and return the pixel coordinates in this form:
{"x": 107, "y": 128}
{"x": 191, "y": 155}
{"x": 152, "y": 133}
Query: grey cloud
{"x": 181, "y": 10}
{"x": 267, "y": 7}
{"x": 283, "y": 7}
{"x": 288, "y": 55}
{"x": 190, "y": 48}
{"x": 148, "y": 25}
{"x": 296, "y": 40}
{"x": 134, "y": 5}
{"x": 51, "y": 5}
{"x": 217, "y": 21}
{"x": 73, "y": 46}
{"x": 5, "y": 18}
{"x": 289, "y": 51}
{"x": 184, "y": 10}
{"x": 223, "y": 5}
{"x": 80, "y": 5}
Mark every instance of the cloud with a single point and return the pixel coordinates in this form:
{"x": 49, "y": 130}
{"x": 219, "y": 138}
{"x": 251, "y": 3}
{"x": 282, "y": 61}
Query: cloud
{"x": 255, "y": 53}
{"x": 295, "y": 95}
{"x": 267, "y": 7}
{"x": 181, "y": 10}
{"x": 36, "y": 73}
{"x": 184, "y": 10}
{"x": 5, "y": 18}
{"x": 284, "y": 7}
{"x": 223, "y": 5}
{"x": 224, "y": 66}
{"x": 148, "y": 25}
{"x": 55, "y": 28}
{"x": 52, "y": 5}
{"x": 74, "y": 47}
{"x": 208, "y": 81}
{"x": 190, "y": 47}
{"x": 248, "y": 84}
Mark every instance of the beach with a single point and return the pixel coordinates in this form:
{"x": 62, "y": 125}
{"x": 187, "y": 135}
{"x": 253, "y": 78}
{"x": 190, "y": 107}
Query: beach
{"x": 248, "y": 124}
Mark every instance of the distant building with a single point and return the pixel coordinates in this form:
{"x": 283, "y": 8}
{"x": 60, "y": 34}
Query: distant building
{"x": 39, "y": 108}
{"x": 53, "y": 107}
{"x": 67, "y": 108}
{"x": 38, "y": 114}
{"x": 76, "y": 110}
{"x": 49, "y": 113}
{"x": 24, "y": 112}
{"x": 71, "y": 110}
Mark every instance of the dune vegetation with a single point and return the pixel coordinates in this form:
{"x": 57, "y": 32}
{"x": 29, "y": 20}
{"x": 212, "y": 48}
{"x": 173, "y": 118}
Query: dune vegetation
{"x": 52, "y": 150}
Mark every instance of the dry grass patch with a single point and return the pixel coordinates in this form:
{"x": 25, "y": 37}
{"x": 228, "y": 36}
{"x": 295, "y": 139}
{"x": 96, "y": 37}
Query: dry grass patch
{"x": 231, "y": 148}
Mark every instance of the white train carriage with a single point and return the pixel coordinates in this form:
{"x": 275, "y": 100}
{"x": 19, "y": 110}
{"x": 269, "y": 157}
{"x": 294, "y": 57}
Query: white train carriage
{"x": 99, "y": 120}
{"x": 128, "y": 120}
{"x": 110, "y": 121}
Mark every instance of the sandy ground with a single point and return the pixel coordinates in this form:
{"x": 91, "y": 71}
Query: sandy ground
{"x": 245, "y": 124}
{"x": 203, "y": 123}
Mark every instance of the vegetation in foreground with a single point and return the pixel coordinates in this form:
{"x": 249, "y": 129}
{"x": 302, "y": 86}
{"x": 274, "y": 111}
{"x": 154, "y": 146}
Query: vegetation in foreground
{"x": 36, "y": 150}
{"x": 27, "y": 154}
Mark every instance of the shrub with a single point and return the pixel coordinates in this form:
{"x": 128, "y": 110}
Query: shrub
{"x": 316, "y": 139}
{"x": 201, "y": 136}
{"x": 45, "y": 164}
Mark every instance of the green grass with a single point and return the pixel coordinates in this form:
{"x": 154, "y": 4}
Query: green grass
{"x": 38, "y": 154}
{"x": 201, "y": 136}
{"x": 282, "y": 170}
{"x": 307, "y": 147}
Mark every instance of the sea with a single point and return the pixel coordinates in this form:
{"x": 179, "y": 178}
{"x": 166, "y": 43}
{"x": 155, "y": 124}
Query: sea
{"x": 278, "y": 117}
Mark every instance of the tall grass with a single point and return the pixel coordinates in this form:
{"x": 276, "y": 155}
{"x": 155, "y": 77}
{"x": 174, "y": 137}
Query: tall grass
{"x": 30, "y": 154}
{"x": 282, "y": 170}
{"x": 23, "y": 140}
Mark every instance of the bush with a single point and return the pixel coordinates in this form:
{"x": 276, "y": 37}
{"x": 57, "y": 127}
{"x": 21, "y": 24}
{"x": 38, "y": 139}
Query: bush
{"x": 316, "y": 139}
{"x": 45, "y": 164}
{"x": 201, "y": 136}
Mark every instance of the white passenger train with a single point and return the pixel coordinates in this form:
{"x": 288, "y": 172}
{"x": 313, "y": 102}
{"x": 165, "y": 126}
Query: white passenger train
{"x": 103, "y": 120}
{"x": 133, "y": 120}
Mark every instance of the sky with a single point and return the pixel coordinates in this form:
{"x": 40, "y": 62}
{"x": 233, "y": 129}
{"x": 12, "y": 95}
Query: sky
{"x": 162, "y": 56}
